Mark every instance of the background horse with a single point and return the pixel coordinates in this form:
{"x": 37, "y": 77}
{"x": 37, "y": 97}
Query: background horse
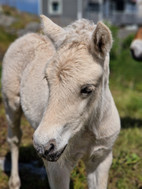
{"x": 136, "y": 46}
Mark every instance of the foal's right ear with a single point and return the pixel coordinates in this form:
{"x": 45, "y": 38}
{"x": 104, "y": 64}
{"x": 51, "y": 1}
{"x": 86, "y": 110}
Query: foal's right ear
{"x": 52, "y": 30}
{"x": 101, "y": 41}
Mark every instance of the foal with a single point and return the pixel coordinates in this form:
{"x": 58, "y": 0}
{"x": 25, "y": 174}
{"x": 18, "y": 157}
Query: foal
{"x": 59, "y": 80}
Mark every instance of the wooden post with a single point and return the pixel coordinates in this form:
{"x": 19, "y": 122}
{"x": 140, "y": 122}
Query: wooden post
{"x": 79, "y": 9}
{"x": 139, "y": 7}
{"x": 101, "y": 10}
{"x": 40, "y": 7}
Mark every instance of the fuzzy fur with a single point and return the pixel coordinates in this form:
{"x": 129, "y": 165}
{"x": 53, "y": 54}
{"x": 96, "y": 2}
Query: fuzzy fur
{"x": 43, "y": 76}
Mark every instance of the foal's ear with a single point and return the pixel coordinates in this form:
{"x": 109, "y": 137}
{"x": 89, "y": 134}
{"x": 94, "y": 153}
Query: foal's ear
{"x": 101, "y": 41}
{"x": 52, "y": 30}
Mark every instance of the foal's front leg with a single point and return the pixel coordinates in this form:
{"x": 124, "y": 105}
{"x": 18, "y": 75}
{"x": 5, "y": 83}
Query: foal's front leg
{"x": 13, "y": 115}
{"x": 97, "y": 172}
{"x": 58, "y": 174}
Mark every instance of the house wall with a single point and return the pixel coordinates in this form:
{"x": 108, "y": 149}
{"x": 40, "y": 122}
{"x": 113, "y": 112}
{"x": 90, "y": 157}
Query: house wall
{"x": 44, "y": 8}
{"x": 70, "y": 9}
{"x": 112, "y": 12}
{"x": 139, "y": 5}
{"x": 69, "y": 12}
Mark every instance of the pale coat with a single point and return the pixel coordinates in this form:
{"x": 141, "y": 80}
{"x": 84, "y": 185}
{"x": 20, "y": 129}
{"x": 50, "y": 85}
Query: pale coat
{"x": 60, "y": 81}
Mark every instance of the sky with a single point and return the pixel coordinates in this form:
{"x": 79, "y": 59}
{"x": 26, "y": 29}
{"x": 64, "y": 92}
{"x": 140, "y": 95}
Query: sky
{"x": 30, "y": 6}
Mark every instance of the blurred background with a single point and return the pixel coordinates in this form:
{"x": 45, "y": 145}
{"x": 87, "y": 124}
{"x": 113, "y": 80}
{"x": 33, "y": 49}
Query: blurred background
{"x": 124, "y": 17}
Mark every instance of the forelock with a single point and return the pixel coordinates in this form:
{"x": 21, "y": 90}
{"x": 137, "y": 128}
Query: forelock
{"x": 78, "y": 32}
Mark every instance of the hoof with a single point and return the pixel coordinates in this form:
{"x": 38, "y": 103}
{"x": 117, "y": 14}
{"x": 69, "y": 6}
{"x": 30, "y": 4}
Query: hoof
{"x": 14, "y": 183}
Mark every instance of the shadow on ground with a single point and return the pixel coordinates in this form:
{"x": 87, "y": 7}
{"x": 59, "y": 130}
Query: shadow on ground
{"x": 31, "y": 169}
{"x": 129, "y": 122}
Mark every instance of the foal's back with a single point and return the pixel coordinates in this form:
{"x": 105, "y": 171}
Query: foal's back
{"x": 18, "y": 60}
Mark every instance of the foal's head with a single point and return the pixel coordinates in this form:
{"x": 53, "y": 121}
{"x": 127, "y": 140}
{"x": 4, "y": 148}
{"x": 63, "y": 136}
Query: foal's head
{"x": 77, "y": 76}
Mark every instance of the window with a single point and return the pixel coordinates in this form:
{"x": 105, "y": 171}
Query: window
{"x": 120, "y": 5}
{"x": 93, "y": 6}
{"x": 55, "y": 7}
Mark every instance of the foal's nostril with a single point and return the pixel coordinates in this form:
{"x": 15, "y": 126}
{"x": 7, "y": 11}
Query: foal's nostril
{"x": 39, "y": 149}
{"x": 45, "y": 150}
{"x": 50, "y": 147}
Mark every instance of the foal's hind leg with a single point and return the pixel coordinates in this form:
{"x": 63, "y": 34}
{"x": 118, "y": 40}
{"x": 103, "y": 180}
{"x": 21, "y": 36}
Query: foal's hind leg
{"x": 13, "y": 115}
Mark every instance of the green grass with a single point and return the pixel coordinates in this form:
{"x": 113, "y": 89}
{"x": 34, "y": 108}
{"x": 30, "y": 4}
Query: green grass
{"x": 5, "y": 40}
{"x": 126, "y": 168}
{"x": 126, "y": 87}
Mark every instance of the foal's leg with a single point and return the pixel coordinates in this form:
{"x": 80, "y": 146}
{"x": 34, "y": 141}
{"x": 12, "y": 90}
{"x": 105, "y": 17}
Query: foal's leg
{"x": 13, "y": 115}
{"x": 97, "y": 172}
{"x": 58, "y": 175}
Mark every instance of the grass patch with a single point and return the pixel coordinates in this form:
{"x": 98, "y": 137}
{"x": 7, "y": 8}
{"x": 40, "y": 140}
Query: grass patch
{"x": 78, "y": 177}
{"x": 3, "y": 180}
{"x": 26, "y": 19}
{"x": 126, "y": 168}
{"x": 5, "y": 40}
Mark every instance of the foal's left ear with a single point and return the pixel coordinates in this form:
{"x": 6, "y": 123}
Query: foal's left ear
{"x": 101, "y": 41}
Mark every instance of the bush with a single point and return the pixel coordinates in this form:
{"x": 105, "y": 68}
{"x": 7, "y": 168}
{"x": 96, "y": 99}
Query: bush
{"x": 115, "y": 48}
{"x": 127, "y": 41}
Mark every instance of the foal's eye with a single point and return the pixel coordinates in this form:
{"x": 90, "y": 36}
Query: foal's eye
{"x": 86, "y": 90}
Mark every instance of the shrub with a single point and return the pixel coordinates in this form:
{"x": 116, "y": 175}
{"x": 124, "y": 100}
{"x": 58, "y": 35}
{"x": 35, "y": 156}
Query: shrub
{"x": 127, "y": 41}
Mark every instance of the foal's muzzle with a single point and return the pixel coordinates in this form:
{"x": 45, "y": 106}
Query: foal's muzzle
{"x": 49, "y": 151}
